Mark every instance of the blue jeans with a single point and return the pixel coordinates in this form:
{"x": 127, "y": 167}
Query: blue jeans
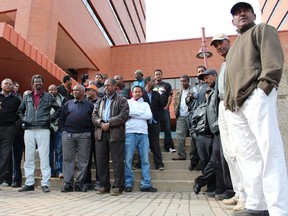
{"x": 141, "y": 142}
{"x": 56, "y": 145}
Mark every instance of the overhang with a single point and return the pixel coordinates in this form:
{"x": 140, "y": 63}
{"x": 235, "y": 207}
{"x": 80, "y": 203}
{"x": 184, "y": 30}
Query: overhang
{"x": 20, "y": 60}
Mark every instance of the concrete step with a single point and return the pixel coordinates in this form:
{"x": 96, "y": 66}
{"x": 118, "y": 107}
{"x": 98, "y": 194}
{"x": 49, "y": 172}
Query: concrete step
{"x": 173, "y": 175}
{"x": 161, "y": 185}
{"x": 168, "y": 164}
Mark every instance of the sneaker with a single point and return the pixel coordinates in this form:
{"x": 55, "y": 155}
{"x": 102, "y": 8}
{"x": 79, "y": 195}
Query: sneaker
{"x": 161, "y": 168}
{"x": 240, "y": 205}
{"x": 231, "y": 201}
{"x": 172, "y": 150}
{"x": 61, "y": 176}
{"x": 149, "y": 189}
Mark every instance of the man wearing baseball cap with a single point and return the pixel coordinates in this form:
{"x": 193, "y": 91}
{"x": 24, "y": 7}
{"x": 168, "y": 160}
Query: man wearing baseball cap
{"x": 253, "y": 72}
{"x": 221, "y": 43}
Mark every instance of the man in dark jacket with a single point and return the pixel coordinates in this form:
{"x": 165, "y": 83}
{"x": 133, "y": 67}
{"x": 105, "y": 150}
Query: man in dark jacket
{"x": 109, "y": 117}
{"x": 9, "y": 104}
{"x": 154, "y": 100}
{"x": 65, "y": 88}
{"x": 217, "y": 162}
{"x": 35, "y": 114}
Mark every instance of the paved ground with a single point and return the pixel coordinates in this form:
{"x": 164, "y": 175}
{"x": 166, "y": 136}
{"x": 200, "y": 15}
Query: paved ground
{"x": 55, "y": 203}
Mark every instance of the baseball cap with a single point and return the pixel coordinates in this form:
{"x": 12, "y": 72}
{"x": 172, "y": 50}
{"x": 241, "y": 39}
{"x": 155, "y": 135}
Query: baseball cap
{"x": 92, "y": 87}
{"x": 207, "y": 72}
{"x": 219, "y": 37}
{"x": 241, "y": 4}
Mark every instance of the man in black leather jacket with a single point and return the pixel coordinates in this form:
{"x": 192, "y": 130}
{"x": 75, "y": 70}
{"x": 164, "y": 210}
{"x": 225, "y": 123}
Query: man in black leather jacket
{"x": 35, "y": 114}
{"x": 217, "y": 163}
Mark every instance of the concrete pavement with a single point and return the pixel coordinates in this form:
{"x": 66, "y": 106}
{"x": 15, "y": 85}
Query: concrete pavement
{"x": 14, "y": 203}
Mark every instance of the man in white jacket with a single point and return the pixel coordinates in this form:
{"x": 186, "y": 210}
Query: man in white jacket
{"x": 137, "y": 137}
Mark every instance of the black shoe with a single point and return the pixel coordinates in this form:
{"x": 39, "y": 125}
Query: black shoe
{"x": 137, "y": 166}
{"x": 45, "y": 189}
{"x": 16, "y": 185}
{"x": 197, "y": 188}
{"x": 210, "y": 194}
{"x": 149, "y": 189}
{"x": 222, "y": 196}
{"x": 248, "y": 212}
{"x": 128, "y": 189}
{"x": 97, "y": 186}
{"x": 67, "y": 188}
{"x": 27, "y": 188}
{"x": 80, "y": 188}
{"x": 191, "y": 167}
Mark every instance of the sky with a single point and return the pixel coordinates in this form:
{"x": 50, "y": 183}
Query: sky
{"x": 183, "y": 19}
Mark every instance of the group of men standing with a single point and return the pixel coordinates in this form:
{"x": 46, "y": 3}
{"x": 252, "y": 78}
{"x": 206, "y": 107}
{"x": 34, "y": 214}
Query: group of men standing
{"x": 239, "y": 116}
{"x": 233, "y": 118}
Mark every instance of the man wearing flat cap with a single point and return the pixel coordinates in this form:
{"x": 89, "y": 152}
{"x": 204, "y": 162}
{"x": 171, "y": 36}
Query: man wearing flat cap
{"x": 253, "y": 72}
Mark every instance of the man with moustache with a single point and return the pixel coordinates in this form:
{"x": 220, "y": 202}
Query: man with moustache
{"x": 254, "y": 66}
{"x": 35, "y": 114}
{"x": 109, "y": 117}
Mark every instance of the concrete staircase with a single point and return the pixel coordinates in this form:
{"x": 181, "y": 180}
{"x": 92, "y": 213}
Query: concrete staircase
{"x": 175, "y": 178}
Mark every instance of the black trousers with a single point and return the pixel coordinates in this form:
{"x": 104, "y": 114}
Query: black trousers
{"x": 216, "y": 173}
{"x": 153, "y": 134}
{"x": 92, "y": 156}
{"x": 7, "y": 135}
{"x": 18, "y": 148}
{"x": 117, "y": 150}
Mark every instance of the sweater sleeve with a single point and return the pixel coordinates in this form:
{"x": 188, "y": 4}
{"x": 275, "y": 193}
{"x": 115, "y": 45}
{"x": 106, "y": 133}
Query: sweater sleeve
{"x": 272, "y": 58}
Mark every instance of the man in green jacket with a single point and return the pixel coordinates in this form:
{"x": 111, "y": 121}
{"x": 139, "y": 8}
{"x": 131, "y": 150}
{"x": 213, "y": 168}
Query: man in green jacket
{"x": 254, "y": 66}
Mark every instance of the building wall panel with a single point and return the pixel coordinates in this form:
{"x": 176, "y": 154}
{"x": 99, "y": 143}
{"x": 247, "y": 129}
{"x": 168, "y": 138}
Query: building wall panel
{"x": 141, "y": 16}
{"x": 279, "y": 14}
{"x": 106, "y": 15}
{"x": 125, "y": 20}
{"x": 133, "y": 12}
{"x": 268, "y": 10}
{"x": 94, "y": 45}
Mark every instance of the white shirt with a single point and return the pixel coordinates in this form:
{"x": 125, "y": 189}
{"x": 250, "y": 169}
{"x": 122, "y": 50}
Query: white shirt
{"x": 183, "y": 107}
{"x": 139, "y": 113}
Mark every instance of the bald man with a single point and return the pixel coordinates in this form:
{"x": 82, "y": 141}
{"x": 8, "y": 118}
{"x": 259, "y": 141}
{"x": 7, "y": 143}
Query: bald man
{"x": 76, "y": 125}
{"x": 9, "y": 104}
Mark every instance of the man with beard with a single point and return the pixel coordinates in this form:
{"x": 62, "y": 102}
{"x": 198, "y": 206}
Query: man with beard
{"x": 35, "y": 114}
